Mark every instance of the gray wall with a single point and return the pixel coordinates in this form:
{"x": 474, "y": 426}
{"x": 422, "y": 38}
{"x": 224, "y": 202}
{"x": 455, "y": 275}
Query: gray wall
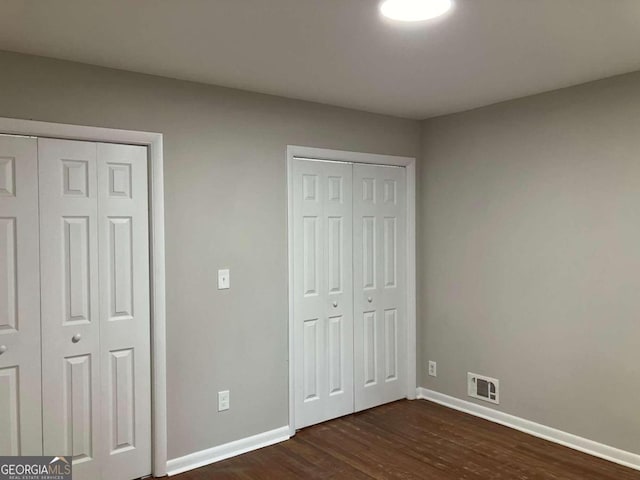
{"x": 226, "y": 206}
{"x": 529, "y": 248}
{"x": 530, "y": 256}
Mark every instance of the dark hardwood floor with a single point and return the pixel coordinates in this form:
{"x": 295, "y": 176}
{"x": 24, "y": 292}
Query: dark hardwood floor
{"x": 413, "y": 440}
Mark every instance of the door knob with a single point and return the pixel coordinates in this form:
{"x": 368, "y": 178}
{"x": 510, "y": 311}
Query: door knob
{"x": 76, "y": 338}
{"x": 3, "y": 348}
{"x": 335, "y": 304}
{"x": 370, "y": 299}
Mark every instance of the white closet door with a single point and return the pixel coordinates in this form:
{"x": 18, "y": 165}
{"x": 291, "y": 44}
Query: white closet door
{"x": 379, "y": 285}
{"x": 323, "y": 291}
{"x": 20, "y": 398}
{"x": 70, "y": 303}
{"x": 124, "y": 311}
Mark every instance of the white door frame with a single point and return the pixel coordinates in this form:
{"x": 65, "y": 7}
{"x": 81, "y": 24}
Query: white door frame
{"x": 310, "y": 153}
{"x": 153, "y": 142}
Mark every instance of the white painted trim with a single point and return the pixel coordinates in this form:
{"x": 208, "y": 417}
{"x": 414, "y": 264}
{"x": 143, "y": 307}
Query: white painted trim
{"x": 295, "y": 151}
{"x": 292, "y": 390}
{"x": 313, "y": 153}
{"x": 153, "y": 141}
{"x": 411, "y": 281}
{"x": 612, "y": 454}
{"x": 227, "y": 450}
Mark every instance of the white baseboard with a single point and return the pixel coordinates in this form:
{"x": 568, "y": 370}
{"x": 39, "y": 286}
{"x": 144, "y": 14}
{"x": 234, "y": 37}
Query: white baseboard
{"x": 228, "y": 450}
{"x": 581, "y": 444}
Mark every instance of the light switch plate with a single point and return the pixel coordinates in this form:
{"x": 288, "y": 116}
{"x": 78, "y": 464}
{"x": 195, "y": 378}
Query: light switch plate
{"x": 223, "y": 400}
{"x": 224, "y": 281}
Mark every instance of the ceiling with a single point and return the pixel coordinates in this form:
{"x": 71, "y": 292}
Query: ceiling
{"x": 341, "y": 52}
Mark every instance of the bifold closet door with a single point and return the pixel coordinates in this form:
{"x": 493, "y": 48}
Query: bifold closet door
{"x": 379, "y": 199}
{"x": 125, "y": 348}
{"x": 323, "y": 291}
{"x": 70, "y": 303}
{"x": 95, "y": 307}
{"x": 20, "y": 398}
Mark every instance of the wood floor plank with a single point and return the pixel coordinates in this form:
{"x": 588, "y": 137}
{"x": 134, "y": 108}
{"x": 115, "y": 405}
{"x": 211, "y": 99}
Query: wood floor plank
{"x": 413, "y": 441}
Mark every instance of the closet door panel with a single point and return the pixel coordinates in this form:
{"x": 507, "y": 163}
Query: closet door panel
{"x": 70, "y": 303}
{"x": 323, "y": 292}
{"x": 20, "y": 376}
{"x": 379, "y": 284}
{"x": 124, "y": 311}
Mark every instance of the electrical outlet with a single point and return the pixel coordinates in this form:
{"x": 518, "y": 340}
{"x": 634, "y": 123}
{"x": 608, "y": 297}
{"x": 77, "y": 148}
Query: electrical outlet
{"x": 223, "y": 400}
{"x": 433, "y": 368}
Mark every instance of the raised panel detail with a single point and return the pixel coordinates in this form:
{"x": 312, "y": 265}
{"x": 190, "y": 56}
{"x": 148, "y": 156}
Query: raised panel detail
{"x": 310, "y": 187}
{"x": 120, "y": 268}
{"x": 76, "y": 268}
{"x": 391, "y": 344}
{"x": 390, "y": 191}
{"x": 75, "y": 178}
{"x": 7, "y": 177}
{"x": 311, "y": 365}
{"x": 311, "y": 255}
{"x": 335, "y": 355}
{"x": 369, "y": 190}
{"x": 8, "y": 276}
{"x": 122, "y": 400}
{"x": 335, "y": 189}
{"x": 369, "y": 252}
{"x": 370, "y": 349}
{"x": 9, "y": 412}
{"x": 390, "y": 252}
{"x": 119, "y": 180}
{"x": 77, "y": 407}
{"x": 335, "y": 254}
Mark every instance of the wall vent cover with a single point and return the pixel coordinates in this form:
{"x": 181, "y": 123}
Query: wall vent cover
{"x": 483, "y": 388}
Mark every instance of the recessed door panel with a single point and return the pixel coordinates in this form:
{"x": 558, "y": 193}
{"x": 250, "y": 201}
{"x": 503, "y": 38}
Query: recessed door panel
{"x": 336, "y": 355}
{"x": 311, "y": 362}
{"x": 391, "y": 344}
{"x": 119, "y": 180}
{"x": 311, "y": 254}
{"x": 368, "y": 190}
{"x": 77, "y": 419}
{"x": 8, "y": 275}
{"x": 120, "y": 268}
{"x": 122, "y": 396}
{"x": 7, "y": 172}
{"x": 335, "y": 188}
{"x": 334, "y": 251}
{"x": 369, "y": 258}
{"x": 20, "y": 366}
{"x": 390, "y": 253}
{"x": 310, "y": 187}
{"x": 75, "y": 178}
{"x": 390, "y": 187}
{"x": 77, "y": 269}
{"x": 9, "y": 412}
{"x": 370, "y": 345}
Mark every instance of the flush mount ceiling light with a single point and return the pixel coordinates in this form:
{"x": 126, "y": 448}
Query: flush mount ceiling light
{"x": 414, "y": 10}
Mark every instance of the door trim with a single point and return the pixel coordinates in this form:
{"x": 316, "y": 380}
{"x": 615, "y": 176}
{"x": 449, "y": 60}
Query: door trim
{"x": 153, "y": 142}
{"x": 409, "y": 163}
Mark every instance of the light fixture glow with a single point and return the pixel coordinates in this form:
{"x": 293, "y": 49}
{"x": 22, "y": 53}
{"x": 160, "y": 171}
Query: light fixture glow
{"x": 414, "y": 10}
